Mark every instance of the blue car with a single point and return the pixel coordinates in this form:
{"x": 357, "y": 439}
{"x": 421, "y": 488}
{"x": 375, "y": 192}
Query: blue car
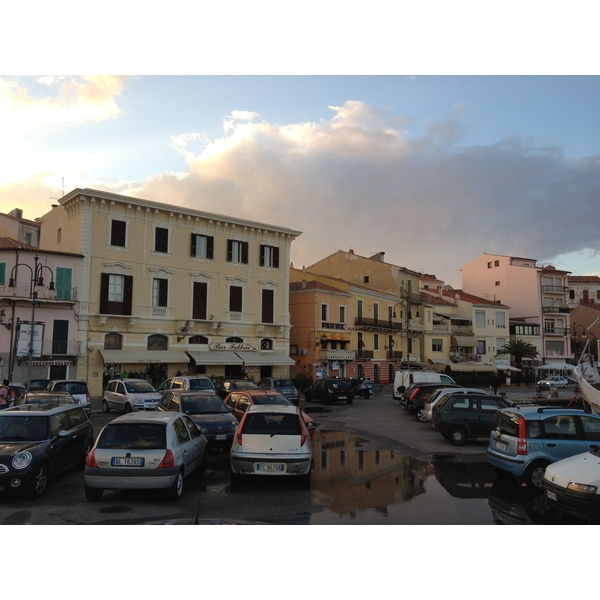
{"x": 208, "y": 411}
{"x": 525, "y": 440}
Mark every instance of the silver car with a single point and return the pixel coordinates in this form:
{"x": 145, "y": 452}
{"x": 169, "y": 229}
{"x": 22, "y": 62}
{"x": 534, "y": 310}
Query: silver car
{"x": 154, "y": 450}
{"x": 128, "y": 395}
{"x": 271, "y": 440}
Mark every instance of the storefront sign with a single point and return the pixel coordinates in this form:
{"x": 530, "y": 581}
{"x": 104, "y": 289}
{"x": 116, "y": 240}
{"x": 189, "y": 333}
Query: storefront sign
{"x": 24, "y": 339}
{"x": 233, "y": 347}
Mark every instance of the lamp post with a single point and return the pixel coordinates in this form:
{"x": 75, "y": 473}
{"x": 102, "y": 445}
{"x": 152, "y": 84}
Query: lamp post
{"x": 407, "y": 297}
{"x": 36, "y": 281}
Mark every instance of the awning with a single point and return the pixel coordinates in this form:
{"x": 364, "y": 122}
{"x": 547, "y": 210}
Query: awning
{"x": 557, "y": 366}
{"x": 464, "y": 341}
{"x": 216, "y": 357}
{"x": 144, "y": 356}
{"x": 473, "y": 367}
{"x": 254, "y": 359}
{"x": 453, "y": 317}
{"x": 52, "y": 363}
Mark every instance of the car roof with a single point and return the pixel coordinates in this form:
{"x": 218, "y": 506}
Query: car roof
{"x": 42, "y": 409}
{"x": 276, "y": 409}
{"x": 146, "y": 417}
{"x": 48, "y": 394}
{"x": 185, "y": 393}
{"x": 539, "y": 410}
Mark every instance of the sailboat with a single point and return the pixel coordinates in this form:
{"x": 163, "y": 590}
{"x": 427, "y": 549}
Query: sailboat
{"x": 588, "y": 378}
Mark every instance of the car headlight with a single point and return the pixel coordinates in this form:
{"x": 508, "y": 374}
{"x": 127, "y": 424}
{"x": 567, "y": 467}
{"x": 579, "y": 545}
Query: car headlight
{"x": 583, "y": 487}
{"x": 203, "y": 429}
{"x": 138, "y": 401}
{"x": 235, "y": 423}
{"x": 21, "y": 460}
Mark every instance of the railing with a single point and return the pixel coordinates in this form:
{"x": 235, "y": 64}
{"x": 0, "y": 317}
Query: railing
{"x": 364, "y": 353}
{"x": 557, "y": 331}
{"x": 23, "y": 290}
{"x": 554, "y": 289}
{"x": 394, "y": 355}
{"x": 557, "y": 309}
{"x": 338, "y": 326}
{"x": 70, "y": 348}
{"x": 462, "y": 330}
{"x": 377, "y": 323}
{"x": 337, "y": 354}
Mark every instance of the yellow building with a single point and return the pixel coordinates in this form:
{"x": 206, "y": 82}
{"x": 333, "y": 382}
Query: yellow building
{"x": 168, "y": 289}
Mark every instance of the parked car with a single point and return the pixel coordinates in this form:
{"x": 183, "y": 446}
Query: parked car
{"x": 240, "y": 401}
{"x": 554, "y": 381}
{"x": 128, "y": 395}
{"x": 187, "y": 382}
{"x": 271, "y": 441}
{"x": 459, "y": 417}
{"x": 38, "y": 385}
{"x": 153, "y": 450}
{"x": 56, "y": 398}
{"x": 413, "y": 399}
{"x": 329, "y": 390}
{"x": 435, "y": 396}
{"x": 77, "y": 388}
{"x": 405, "y": 378}
{"x": 37, "y": 442}
{"x": 230, "y": 385}
{"x": 207, "y": 410}
{"x": 283, "y": 386}
{"x": 525, "y": 440}
{"x": 573, "y": 485}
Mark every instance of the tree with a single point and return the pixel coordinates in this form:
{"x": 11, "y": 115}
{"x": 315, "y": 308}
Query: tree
{"x": 519, "y": 349}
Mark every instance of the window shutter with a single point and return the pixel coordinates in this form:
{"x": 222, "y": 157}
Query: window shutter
{"x": 262, "y": 255}
{"x": 209, "y": 246}
{"x": 127, "y": 295}
{"x": 193, "y": 251}
{"x": 276, "y": 257}
{"x": 104, "y": 293}
{"x": 229, "y": 250}
{"x": 245, "y": 252}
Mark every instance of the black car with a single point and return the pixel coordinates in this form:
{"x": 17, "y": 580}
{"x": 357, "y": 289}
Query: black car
{"x": 329, "y": 390}
{"x": 54, "y": 398}
{"x": 38, "y": 442}
{"x": 460, "y": 416}
{"x": 214, "y": 419}
{"x": 231, "y": 385}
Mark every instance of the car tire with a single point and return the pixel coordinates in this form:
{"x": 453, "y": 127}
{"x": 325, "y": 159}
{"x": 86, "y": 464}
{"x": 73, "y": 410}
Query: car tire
{"x": 457, "y": 436}
{"x": 93, "y": 494}
{"x": 86, "y": 451}
{"x": 39, "y": 481}
{"x": 176, "y": 490}
{"x": 105, "y": 406}
{"x": 128, "y": 408}
{"x": 420, "y": 415}
{"x": 534, "y": 475}
{"x": 350, "y": 401}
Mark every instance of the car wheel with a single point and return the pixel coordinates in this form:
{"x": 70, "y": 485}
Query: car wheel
{"x": 128, "y": 408}
{"x": 93, "y": 494}
{"x": 176, "y": 490}
{"x": 86, "y": 451}
{"x": 105, "y": 407}
{"x": 350, "y": 401}
{"x": 457, "y": 436}
{"x": 39, "y": 482}
{"x": 420, "y": 414}
{"x": 534, "y": 475}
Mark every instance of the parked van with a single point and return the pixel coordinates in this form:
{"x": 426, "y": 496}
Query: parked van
{"x": 402, "y": 379}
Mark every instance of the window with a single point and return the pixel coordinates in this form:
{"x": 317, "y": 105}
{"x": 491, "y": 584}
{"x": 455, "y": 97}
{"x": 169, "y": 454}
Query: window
{"x": 157, "y": 342}
{"x": 58, "y": 235}
{"x": 113, "y": 341}
{"x": 375, "y": 341}
{"x": 161, "y": 240}
{"x": 269, "y": 256}
{"x": 116, "y": 292}
{"x": 2, "y": 273}
{"x": 235, "y": 298}
{"x": 501, "y": 320}
{"x": 479, "y": 318}
{"x": 198, "y": 339}
{"x": 324, "y": 312}
{"x": 118, "y": 231}
{"x": 268, "y": 301}
{"x": 64, "y": 279}
{"x": 496, "y": 263}
{"x": 202, "y": 246}
{"x": 60, "y": 335}
{"x": 342, "y": 314}
{"x": 199, "y": 300}
{"x": 489, "y": 265}
{"x": 436, "y": 345}
{"x": 160, "y": 289}
{"x": 267, "y": 344}
{"x": 237, "y": 252}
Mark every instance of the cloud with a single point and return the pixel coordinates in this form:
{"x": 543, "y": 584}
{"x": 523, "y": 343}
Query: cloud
{"x": 358, "y": 180}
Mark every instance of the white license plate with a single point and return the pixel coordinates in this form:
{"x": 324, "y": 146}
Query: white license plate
{"x": 127, "y": 462}
{"x": 220, "y": 436}
{"x": 270, "y": 467}
{"x": 501, "y": 445}
{"x": 342, "y": 397}
{"x": 551, "y": 495}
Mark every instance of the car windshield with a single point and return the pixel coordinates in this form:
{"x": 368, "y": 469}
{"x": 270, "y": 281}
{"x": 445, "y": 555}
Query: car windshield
{"x": 203, "y": 405}
{"x": 201, "y": 384}
{"x": 271, "y": 424}
{"x": 137, "y": 436}
{"x": 139, "y": 387}
{"x": 272, "y": 399}
{"x": 242, "y": 385}
{"x": 282, "y": 383}
{"x": 23, "y": 429}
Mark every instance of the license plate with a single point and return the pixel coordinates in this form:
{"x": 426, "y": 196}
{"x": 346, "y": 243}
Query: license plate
{"x": 551, "y": 495}
{"x": 220, "y": 436}
{"x": 342, "y": 397}
{"x": 501, "y": 445}
{"x": 270, "y": 467}
{"x": 127, "y": 462}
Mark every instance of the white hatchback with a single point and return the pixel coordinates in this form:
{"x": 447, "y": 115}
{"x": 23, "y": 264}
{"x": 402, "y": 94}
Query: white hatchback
{"x": 271, "y": 440}
{"x": 129, "y": 395}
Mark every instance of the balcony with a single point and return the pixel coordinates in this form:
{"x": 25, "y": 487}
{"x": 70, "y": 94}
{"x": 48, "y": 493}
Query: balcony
{"x": 560, "y": 331}
{"x": 23, "y": 290}
{"x": 557, "y": 309}
{"x": 386, "y": 324}
{"x": 335, "y": 326}
{"x": 364, "y": 354}
{"x": 554, "y": 289}
{"x": 65, "y": 348}
{"x": 337, "y": 354}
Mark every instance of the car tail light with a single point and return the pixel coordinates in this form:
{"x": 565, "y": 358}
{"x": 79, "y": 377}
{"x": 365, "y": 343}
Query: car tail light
{"x": 87, "y": 398}
{"x": 303, "y": 430}
{"x": 412, "y": 396}
{"x": 168, "y": 461}
{"x": 522, "y": 441}
{"x": 91, "y": 461}
{"x": 238, "y": 433}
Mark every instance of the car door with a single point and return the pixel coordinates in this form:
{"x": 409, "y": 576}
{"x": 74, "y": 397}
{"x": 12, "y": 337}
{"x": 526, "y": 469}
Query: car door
{"x": 590, "y": 430}
{"x": 242, "y": 403}
{"x": 562, "y": 437}
{"x": 188, "y": 448}
{"x": 67, "y": 443}
{"x": 165, "y": 401}
{"x": 198, "y": 440}
{"x": 487, "y": 408}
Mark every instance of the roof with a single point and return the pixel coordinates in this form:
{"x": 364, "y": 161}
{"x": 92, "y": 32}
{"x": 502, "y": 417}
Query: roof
{"x": 7, "y": 243}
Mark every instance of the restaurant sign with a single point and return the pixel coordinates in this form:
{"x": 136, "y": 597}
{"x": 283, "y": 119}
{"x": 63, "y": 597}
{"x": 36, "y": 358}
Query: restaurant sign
{"x": 233, "y": 346}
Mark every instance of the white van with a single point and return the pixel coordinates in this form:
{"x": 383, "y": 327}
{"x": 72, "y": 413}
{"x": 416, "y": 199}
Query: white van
{"x": 402, "y": 379}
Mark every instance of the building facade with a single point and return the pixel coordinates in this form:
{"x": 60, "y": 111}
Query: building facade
{"x": 166, "y": 289}
{"x": 14, "y": 226}
{"x": 583, "y": 289}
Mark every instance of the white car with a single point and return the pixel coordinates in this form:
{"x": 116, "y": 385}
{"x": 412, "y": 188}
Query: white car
{"x": 129, "y": 395}
{"x": 153, "y": 450}
{"x": 271, "y": 440}
{"x": 439, "y": 394}
{"x": 554, "y": 381}
{"x": 573, "y": 485}
{"x": 187, "y": 382}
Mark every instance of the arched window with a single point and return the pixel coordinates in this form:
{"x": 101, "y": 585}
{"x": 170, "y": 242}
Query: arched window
{"x": 113, "y": 341}
{"x": 266, "y": 344}
{"x": 157, "y": 342}
{"x": 198, "y": 339}
{"x": 234, "y": 340}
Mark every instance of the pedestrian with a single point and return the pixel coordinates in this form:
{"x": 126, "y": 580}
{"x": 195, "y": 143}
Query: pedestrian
{"x": 4, "y": 393}
{"x": 495, "y": 384}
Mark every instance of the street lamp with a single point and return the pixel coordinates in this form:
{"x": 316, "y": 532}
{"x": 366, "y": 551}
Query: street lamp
{"x": 407, "y": 297}
{"x": 36, "y": 281}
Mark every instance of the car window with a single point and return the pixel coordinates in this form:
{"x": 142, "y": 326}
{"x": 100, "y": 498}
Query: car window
{"x": 231, "y": 400}
{"x": 59, "y": 422}
{"x": 181, "y": 431}
{"x": 489, "y": 404}
{"x": 176, "y": 384}
{"x": 138, "y": 387}
{"x": 560, "y": 427}
{"x": 142, "y": 436}
{"x": 77, "y": 416}
{"x": 192, "y": 428}
{"x": 282, "y": 383}
{"x": 23, "y": 429}
{"x": 244, "y": 402}
{"x": 465, "y": 403}
{"x": 203, "y": 405}
{"x": 272, "y": 399}
{"x": 591, "y": 428}
{"x": 75, "y": 388}
{"x": 164, "y": 402}
{"x": 200, "y": 384}
{"x": 174, "y": 404}
{"x": 120, "y": 388}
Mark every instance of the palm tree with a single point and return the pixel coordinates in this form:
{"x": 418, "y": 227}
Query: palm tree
{"x": 519, "y": 349}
